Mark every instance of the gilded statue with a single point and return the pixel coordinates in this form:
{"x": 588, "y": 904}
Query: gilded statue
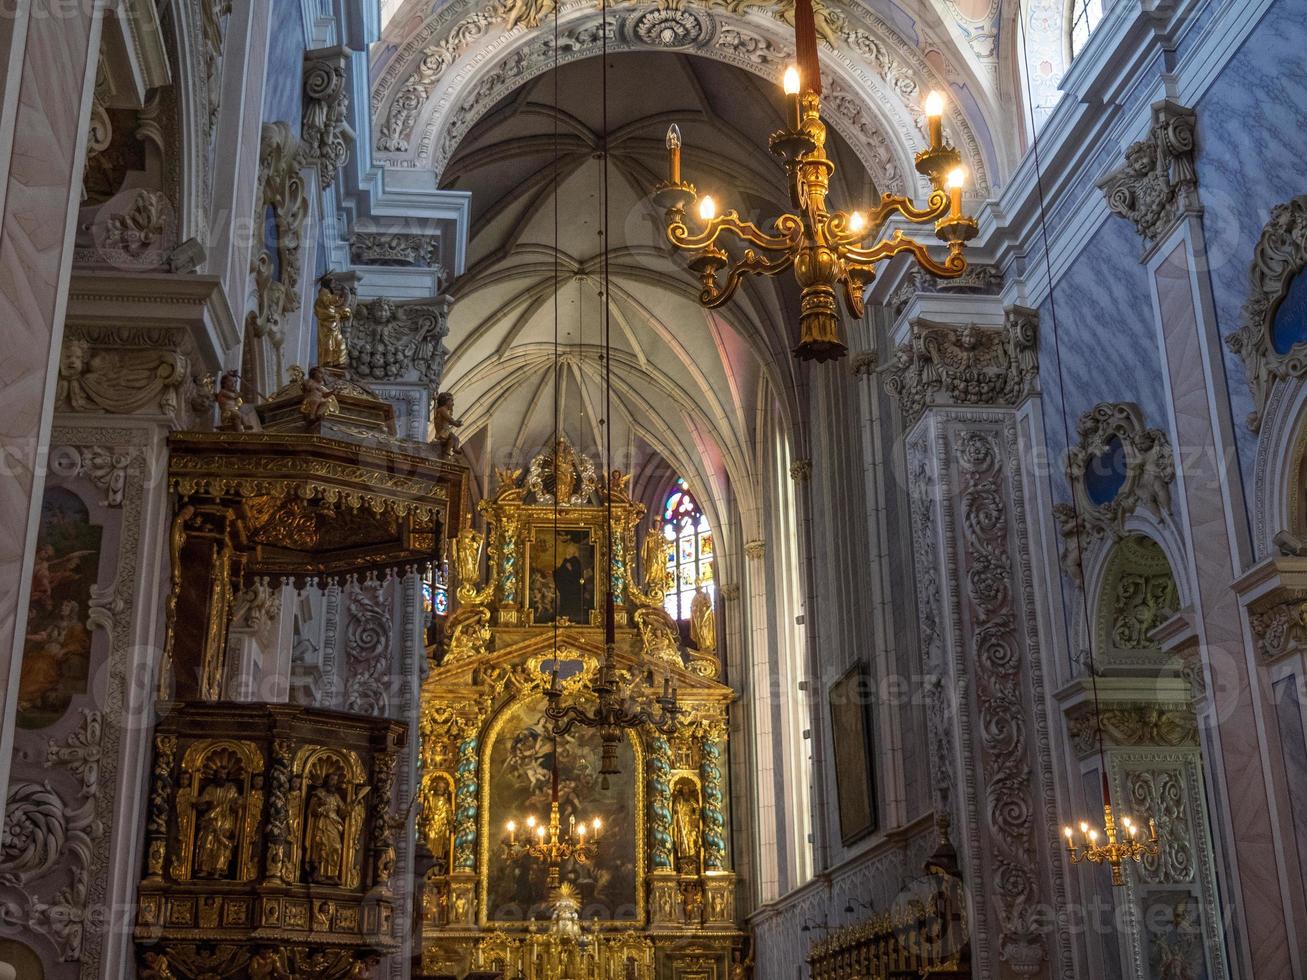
{"x": 440, "y": 825}
{"x": 444, "y": 424}
{"x": 332, "y": 309}
{"x": 319, "y": 400}
{"x": 467, "y": 562}
{"x": 685, "y": 826}
{"x": 324, "y": 831}
{"x": 215, "y": 841}
{"x": 741, "y": 969}
{"x": 229, "y": 402}
{"x": 654, "y": 559}
{"x": 155, "y": 966}
{"x": 703, "y": 621}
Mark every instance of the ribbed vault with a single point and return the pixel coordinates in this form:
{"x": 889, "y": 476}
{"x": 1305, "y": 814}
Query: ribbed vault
{"x": 691, "y": 388}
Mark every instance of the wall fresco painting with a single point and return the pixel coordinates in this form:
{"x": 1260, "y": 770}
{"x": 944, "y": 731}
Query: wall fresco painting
{"x": 57, "y": 648}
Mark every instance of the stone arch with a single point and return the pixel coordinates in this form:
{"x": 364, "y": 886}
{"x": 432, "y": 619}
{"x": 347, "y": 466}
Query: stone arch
{"x": 1134, "y": 582}
{"x": 430, "y": 90}
{"x": 1280, "y": 468}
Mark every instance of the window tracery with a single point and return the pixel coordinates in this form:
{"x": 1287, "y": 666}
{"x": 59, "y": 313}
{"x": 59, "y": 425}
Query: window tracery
{"x": 690, "y": 550}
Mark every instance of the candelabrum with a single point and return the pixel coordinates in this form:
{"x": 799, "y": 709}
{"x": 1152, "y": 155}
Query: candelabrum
{"x": 1114, "y": 850}
{"x": 613, "y": 712}
{"x": 827, "y": 250}
{"x": 549, "y": 844}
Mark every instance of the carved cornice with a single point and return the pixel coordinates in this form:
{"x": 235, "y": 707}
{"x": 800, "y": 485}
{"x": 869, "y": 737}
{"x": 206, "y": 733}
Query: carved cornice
{"x": 947, "y": 365}
{"x": 326, "y": 132}
{"x": 1157, "y": 183}
{"x": 1280, "y": 255}
{"x": 414, "y": 251}
{"x": 1149, "y": 470}
{"x": 978, "y": 280}
{"x": 1147, "y": 724}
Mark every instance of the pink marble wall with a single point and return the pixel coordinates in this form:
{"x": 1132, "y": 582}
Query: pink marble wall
{"x": 1212, "y": 518}
{"x": 41, "y": 162}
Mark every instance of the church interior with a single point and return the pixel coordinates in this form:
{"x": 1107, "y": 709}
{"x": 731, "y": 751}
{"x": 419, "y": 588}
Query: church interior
{"x": 653, "y": 490}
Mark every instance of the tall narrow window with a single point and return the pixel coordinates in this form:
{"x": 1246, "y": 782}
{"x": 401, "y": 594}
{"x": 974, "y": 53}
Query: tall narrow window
{"x": 1085, "y": 15}
{"x": 689, "y": 560}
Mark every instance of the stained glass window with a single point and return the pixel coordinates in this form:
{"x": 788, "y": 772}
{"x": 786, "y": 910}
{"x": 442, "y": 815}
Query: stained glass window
{"x": 1085, "y": 15}
{"x": 690, "y": 550}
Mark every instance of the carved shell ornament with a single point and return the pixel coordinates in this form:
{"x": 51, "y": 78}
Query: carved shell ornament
{"x": 1267, "y": 341}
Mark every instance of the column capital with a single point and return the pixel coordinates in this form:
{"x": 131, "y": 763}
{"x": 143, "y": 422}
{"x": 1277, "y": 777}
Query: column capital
{"x": 756, "y": 549}
{"x": 944, "y": 364}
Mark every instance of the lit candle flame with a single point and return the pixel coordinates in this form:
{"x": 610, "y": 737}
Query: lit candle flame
{"x": 935, "y": 104}
{"x": 957, "y": 178}
{"x": 857, "y": 221}
{"x": 707, "y": 208}
{"x": 791, "y": 81}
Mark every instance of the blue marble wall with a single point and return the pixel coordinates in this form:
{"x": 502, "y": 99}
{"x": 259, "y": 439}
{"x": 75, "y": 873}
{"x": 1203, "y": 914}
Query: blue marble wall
{"x": 282, "y": 99}
{"x": 1099, "y": 318}
{"x": 1252, "y": 140}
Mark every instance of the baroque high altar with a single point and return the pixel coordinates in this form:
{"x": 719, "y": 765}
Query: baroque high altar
{"x": 657, "y": 898}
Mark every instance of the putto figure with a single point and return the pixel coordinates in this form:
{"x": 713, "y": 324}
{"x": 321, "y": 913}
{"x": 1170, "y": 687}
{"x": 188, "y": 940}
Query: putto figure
{"x": 319, "y": 401}
{"x": 445, "y": 441}
{"x": 331, "y": 309}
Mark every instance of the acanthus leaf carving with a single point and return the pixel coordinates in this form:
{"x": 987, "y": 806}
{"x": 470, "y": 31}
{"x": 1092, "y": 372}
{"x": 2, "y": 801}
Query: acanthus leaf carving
{"x": 1157, "y": 184}
{"x": 325, "y": 129}
{"x": 368, "y": 627}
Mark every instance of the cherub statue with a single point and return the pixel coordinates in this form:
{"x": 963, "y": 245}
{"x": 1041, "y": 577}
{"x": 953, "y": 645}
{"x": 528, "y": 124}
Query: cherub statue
{"x": 332, "y": 309}
{"x": 445, "y": 441}
{"x": 319, "y": 401}
{"x": 229, "y": 402}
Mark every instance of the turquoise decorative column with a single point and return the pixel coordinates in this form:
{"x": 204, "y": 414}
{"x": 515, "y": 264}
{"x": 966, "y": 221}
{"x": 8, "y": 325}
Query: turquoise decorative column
{"x": 660, "y": 804}
{"x": 714, "y": 821}
{"x": 465, "y": 805}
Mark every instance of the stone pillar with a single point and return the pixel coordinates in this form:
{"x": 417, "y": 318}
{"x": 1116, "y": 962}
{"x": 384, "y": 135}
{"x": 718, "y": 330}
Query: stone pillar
{"x": 49, "y": 50}
{"x": 1241, "y": 746}
{"x": 959, "y": 389}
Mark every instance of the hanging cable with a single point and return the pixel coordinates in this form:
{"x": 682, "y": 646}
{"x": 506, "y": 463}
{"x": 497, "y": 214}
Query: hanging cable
{"x": 610, "y": 612}
{"x": 557, "y": 360}
{"x": 1077, "y": 525}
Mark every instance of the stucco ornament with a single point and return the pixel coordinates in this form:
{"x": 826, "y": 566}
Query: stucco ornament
{"x": 1158, "y": 182}
{"x": 121, "y": 381}
{"x": 1280, "y": 255}
{"x": 943, "y": 364}
{"x": 399, "y": 341}
{"x": 276, "y": 267}
{"x": 1147, "y": 472}
{"x": 327, "y": 134}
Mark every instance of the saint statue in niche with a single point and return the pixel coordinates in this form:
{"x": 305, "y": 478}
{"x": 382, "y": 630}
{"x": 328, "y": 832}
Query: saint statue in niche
{"x": 703, "y": 621}
{"x": 215, "y": 842}
{"x": 324, "y": 832}
{"x": 685, "y": 827}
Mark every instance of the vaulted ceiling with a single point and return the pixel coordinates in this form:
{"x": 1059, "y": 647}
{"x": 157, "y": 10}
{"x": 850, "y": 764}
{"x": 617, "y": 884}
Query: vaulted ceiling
{"x": 526, "y": 332}
{"x": 473, "y": 92}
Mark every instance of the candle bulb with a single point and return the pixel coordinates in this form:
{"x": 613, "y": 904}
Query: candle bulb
{"x": 792, "y": 85}
{"x": 956, "y": 178}
{"x": 597, "y": 825}
{"x": 935, "y": 119}
{"x": 674, "y": 154}
{"x": 512, "y": 831}
{"x": 667, "y": 685}
{"x": 857, "y": 222}
{"x": 707, "y": 208}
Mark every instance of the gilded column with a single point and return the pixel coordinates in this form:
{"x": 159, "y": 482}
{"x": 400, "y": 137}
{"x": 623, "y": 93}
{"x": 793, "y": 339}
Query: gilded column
{"x": 463, "y": 879}
{"x": 161, "y": 788}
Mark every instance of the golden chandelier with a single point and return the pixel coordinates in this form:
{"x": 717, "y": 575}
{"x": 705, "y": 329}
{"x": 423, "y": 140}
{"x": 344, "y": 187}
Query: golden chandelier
{"x": 549, "y": 843}
{"x": 1112, "y": 851}
{"x": 827, "y": 249}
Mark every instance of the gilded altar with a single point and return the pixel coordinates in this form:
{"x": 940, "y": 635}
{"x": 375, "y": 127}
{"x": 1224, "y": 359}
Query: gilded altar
{"x": 657, "y": 899}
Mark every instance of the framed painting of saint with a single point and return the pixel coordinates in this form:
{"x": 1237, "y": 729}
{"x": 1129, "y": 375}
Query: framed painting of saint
{"x": 855, "y": 783}
{"x": 562, "y": 584}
